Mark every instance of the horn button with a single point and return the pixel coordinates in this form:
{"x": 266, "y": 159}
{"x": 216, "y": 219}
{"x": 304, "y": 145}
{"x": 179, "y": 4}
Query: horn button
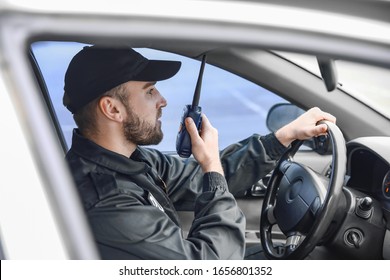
{"x": 299, "y": 197}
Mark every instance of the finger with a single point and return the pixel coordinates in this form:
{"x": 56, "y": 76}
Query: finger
{"x": 329, "y": 117}
{"x": 205, "y": 121}
{"x": 320, "y": 129}
{"x": 206, "y": 125}
{"x": 191, "y": 129}
{"x": 321, "y": 115}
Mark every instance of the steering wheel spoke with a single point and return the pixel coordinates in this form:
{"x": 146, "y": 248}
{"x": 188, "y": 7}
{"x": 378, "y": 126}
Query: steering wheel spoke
{"x": 270, "y": 215}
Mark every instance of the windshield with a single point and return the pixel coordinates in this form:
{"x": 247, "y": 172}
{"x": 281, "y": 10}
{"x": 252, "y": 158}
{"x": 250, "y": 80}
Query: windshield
{"x": 369, "y": 84}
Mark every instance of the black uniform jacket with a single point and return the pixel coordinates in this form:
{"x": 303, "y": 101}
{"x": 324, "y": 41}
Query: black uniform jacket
{"x": 132, "y": 203}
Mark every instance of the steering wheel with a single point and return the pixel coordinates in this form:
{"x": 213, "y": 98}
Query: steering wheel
{"x": 302, "y": 202}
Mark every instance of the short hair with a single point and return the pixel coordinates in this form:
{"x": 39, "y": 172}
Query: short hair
{"x": 85, "y": 117}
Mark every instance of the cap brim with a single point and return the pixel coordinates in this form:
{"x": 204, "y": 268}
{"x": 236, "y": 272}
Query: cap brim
{"x": 158, "y": 70}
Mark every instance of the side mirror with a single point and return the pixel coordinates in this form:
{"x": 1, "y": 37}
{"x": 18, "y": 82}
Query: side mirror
{"x": 283, "y": 113}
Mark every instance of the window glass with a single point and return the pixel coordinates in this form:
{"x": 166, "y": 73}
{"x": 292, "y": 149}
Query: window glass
{"x": 235, "y": 106}
{"x": 370, "y": 84}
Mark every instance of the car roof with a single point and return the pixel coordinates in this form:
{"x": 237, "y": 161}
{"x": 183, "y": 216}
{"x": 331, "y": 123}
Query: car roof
{"x": 306, "y": 26}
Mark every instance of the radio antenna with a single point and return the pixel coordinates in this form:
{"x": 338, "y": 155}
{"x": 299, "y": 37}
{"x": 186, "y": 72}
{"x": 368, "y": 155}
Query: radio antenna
{"x": 195, "y": 101}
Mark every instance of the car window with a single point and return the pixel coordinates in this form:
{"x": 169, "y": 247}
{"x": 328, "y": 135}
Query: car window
{"x": 228, "y": 100}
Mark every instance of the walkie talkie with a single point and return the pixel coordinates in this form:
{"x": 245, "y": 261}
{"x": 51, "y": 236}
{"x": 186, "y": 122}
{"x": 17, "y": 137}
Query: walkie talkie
{"x": 183, "y": 140}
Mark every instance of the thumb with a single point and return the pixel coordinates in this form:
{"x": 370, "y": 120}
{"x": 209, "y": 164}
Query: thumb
{"x": 191, "y": 128}
{"x": 320, "y": 129}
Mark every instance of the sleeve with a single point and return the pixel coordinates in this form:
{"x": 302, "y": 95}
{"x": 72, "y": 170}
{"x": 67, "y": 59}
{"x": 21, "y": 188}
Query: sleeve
{"x": 248, "y": 161}
{"x": 217, "y": 231}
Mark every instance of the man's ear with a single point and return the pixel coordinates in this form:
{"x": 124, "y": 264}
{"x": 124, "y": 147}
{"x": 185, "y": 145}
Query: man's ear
{"x": 111, "y": 108}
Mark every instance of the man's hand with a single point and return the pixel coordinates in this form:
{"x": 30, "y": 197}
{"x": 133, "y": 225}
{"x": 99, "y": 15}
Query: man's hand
{"x": 205, "y": 146}
{"x": 304, "y": 127}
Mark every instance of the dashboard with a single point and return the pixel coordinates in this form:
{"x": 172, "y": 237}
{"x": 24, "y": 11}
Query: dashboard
{"x": 369, "y": 167}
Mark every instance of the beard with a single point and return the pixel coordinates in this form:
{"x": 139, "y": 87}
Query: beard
{"x": 140, "y": 132}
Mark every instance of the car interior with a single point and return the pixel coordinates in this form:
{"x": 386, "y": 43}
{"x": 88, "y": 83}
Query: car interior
{"x": 355, "y": 221}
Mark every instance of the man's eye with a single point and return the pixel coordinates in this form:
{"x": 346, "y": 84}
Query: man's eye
{"x": 150, "y": 91}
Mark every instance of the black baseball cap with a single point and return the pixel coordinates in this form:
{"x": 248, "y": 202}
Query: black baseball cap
{"x": 97, "y": 69}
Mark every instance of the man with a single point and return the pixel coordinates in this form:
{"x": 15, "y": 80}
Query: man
{"x": 130, "y": 193}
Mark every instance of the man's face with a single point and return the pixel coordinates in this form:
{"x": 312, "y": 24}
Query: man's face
{"x": 144, "y": 109}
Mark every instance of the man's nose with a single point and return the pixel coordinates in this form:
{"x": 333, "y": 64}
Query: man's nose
{"x": 162, "y": 102}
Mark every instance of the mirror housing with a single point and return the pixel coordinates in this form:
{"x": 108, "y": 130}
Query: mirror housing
{"x": 328, "y": 72}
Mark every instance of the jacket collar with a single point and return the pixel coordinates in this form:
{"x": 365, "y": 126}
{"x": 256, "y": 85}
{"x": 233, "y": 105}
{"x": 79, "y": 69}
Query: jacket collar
{"x": 89, "y": 150}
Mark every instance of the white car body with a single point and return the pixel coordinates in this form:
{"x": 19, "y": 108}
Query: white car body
{"x": 40, "y": 215}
